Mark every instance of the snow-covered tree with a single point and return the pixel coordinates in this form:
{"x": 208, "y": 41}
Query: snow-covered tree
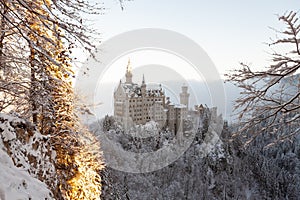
{"x": 36, "y": 83}
{"x": 14, "y": 90}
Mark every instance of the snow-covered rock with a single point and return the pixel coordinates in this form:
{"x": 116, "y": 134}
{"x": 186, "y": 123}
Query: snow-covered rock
{"x": 15, "y": 183}
{"x": 26, "y": 160}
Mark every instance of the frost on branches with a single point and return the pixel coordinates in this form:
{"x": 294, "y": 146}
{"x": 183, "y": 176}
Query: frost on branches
{"x": 36, "y": 74}
{"x": 272, "y": 96}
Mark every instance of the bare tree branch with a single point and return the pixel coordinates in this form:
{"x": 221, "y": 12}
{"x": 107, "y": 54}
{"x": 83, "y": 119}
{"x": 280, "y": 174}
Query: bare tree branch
{"x": 273, "y": 94}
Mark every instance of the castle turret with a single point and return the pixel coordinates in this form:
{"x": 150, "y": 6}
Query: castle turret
{"x": 128, "y": 74}
{"x": 143, "y": 86}
{"x": 184, "y": 96}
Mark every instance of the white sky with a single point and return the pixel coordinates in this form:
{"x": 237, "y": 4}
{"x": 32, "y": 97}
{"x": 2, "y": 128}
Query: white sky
{"x": 149, "y": 57}
{"x": 229, "y": 31}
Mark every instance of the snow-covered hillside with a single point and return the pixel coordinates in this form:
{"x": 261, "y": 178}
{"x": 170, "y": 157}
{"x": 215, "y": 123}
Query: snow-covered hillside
{"x": 25, "y": 159}
{"x": 215, "y": 166}
{"x": 15, "y": 183}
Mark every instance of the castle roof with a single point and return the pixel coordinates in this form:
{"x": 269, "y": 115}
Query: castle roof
{"x": 180, "y": 106}
{"x": 177, "y": 105}
{"x": 134, "y": 90}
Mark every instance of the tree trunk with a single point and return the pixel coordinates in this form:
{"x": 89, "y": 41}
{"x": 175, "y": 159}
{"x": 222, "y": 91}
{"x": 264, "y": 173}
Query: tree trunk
{"x": 32, "y": 87}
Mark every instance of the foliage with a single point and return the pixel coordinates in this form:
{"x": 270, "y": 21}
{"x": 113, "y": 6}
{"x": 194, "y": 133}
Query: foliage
{"x": 36, "y": 82}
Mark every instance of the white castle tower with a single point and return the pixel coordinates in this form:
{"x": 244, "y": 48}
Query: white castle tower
{"x": 128, "y": 74}
{"x": 184, "y": 96}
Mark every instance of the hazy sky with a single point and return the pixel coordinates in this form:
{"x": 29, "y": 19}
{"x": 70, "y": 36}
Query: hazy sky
{"x": 229, "y": 31}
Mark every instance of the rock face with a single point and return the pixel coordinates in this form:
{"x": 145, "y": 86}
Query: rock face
{"x": 215, "y": 166}
{"x": 28, "y": 149}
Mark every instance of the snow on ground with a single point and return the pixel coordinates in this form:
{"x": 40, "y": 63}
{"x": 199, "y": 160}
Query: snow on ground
{"x": 18, "y": 184}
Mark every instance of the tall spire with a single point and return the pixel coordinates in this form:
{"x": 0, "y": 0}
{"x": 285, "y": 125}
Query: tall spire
{"x": 143, "y": 86}
{"x": 129, "y": 68}
{"x": 128, "y": 74}
{"x": 143, "y": 82}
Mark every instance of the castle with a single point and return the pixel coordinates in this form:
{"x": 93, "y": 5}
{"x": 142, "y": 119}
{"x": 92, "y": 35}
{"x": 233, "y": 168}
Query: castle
{"x": 136, "y": 104}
